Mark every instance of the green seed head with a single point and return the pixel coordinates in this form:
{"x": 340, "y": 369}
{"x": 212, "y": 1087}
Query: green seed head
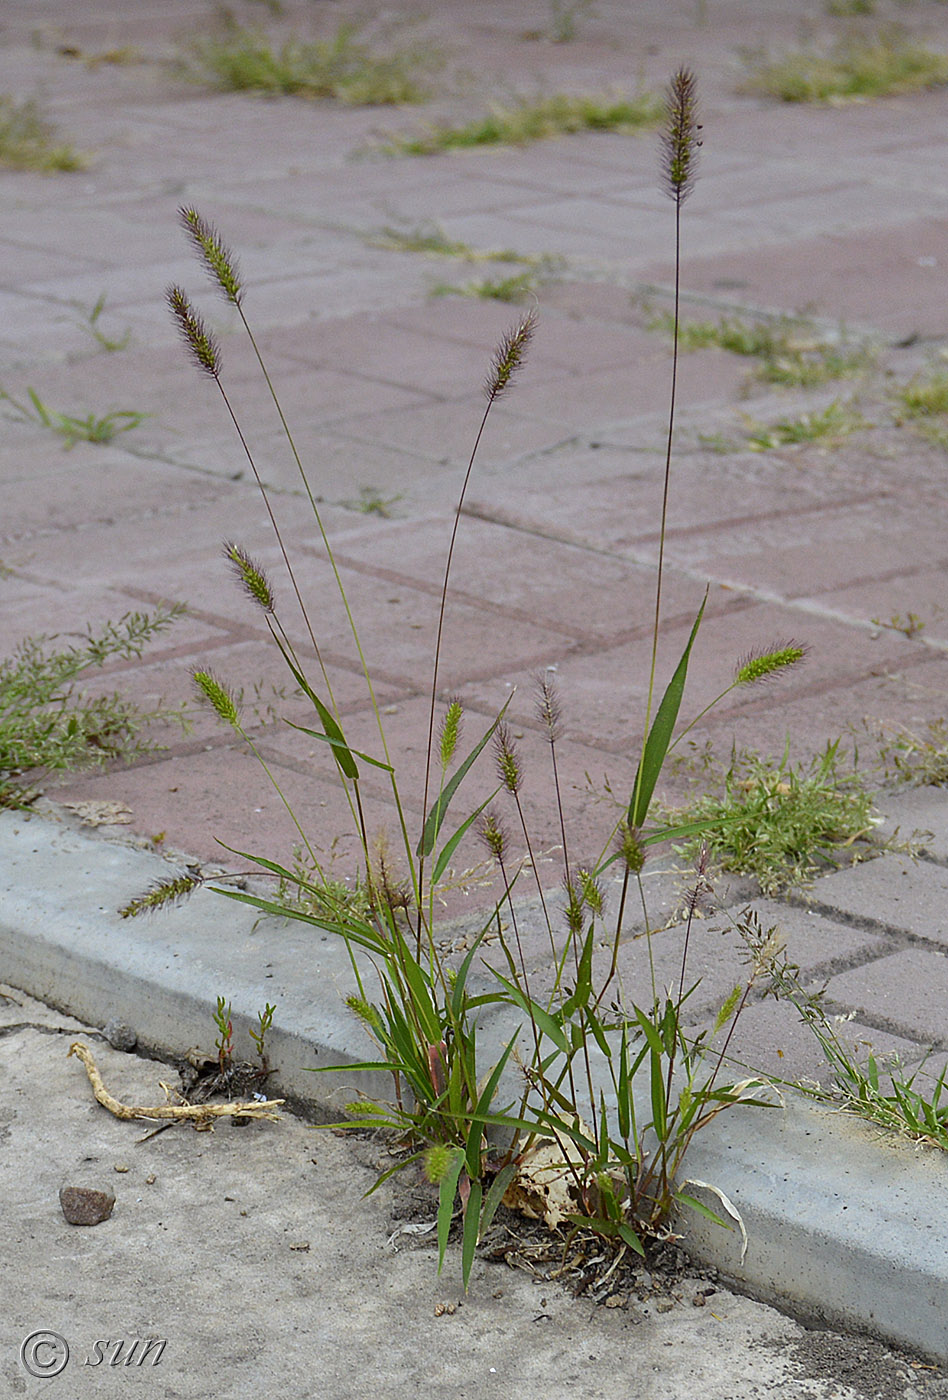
{"x": 508, "y": 761}
{"x": 509, "y": 355}
{"x": 493, "y": 834}
{"x": 437, "y": 1160}
{"x": 218, "y": 696}
{"x": 250, "y": 576}
{"x": 574, "y": 906}
{"x": 450, "y": 731}
{"x": 548, "y": 706}
{"x": 200, "y": 342}
{"x": 592, "y": 892}
{"x": 630, "y": 848}
{"x": 160, "y": 895}
{"x": 757, "y": 666}
{"x": 365, "y": 1011}
{"x": 218, "y": 260}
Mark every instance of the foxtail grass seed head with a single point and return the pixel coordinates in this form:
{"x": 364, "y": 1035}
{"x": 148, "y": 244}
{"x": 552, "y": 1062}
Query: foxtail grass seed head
{"x": 592, "y": 892}
{"x": 758, "y": 665}
{"x": 218, "y": 697}
{"x": 437, "y": 1160}
{"x": 548, "y": 706}
{"x": 574, "y": 906}
{"x": 509, "y": 355}
{"x": 160, "y": 895}
{"x": 727, "y": 1010}
{"x": 201, "y": 344}
{"x": 250, "y": 576}
{"x": 219, "y": 262}
{"x": 365, "y": 1011}
{"x": 680, "y": 140}
{"x": 630, "y": 848}
{"x": 508, "y": 760}
{"x": 493, "y": 834}
{"x": 450, "y": 731}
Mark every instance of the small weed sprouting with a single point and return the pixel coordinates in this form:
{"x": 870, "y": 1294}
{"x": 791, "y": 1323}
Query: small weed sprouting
{"x": 535, "y": 120}
{"x": 72, "y": 428}
{"x": 431, "y": 239}
{"x": 224, "y": 1044}
{"x": 857, "y": 68}
{"x": 344, "y": 67}
{"x": 912, "y": 625}
{"x": 830, "y": 424}
{"x": 47, "y": 723}
{"x": 839, "y": 9}
{"x": 778, "y": 822}
{"x": 488, "y": 1125}
{"x": 790, "y": 351}
{"x": 259, "y": 1036}
{"x": 923, "y": 404}
{"x": 372, "y": 502}
{"x": 90, "y": 323}
{"x": 515, "y": 289}
{"x": 917, "y": 759}
{"x": 29, "y": 142}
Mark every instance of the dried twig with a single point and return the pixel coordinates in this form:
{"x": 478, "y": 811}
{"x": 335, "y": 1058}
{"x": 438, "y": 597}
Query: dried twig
{"x": 191, "y": 1113}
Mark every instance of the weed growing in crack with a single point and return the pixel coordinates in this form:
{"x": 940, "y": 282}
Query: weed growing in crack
{"x": 29, "y": 142}
{"x": 779, "y": 822}
{"x": 828, "y": 425}
{"x": 344, "y": 66}
{"x": 70, "y": 426}
{"x": 858, "y": 67}
{"x": 524, "y": 1115}
{"x": 535, "y": 119}
{"x": 790, "y": 351}
{"x": 46, "y": 722}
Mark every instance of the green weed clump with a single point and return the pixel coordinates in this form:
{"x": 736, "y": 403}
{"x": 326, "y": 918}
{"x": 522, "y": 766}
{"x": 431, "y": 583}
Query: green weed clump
{"x": 778, "y": 822}
{"x": 29, "y": 142}
{"x": 536, "y": 120}
{"x": 72, "y": 428}
{"x": 47, "y": 722}
{"x": 790, "y": 351}
{"x": 830, "y": 424}
{"x": 344, "y": 67}
{"x": 858, "y": 67}
{"x": 589, "y": 1105}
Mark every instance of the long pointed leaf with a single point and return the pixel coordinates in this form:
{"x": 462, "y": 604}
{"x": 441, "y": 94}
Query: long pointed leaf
{"x": 660, "y": 734}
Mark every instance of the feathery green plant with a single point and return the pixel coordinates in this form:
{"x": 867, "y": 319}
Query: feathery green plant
{"x": 837, "y": 420}
{"x": 535, "y": 120}
{"x": 344, "y": 67}
{"x": 777, "y": 821}
{"x": 72, "y": 428}
{"x": 791, "y": 351}
{"x": 29, "y": 142}
{"x": 46, "y": 723}
{"x": 858, "y": 67}
{"x": 474, "y": 1124}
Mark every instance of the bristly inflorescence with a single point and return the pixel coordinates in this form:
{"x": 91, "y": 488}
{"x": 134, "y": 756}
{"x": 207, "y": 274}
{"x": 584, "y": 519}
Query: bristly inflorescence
{"x": 549, "y": 710}
{"x": 218, "y": 260}
{"x": 759, "y": 665}
{"x": 509, "y": 355}
{"x": 250, "y": 576}
{"x": 493, "y": 833}
{"x": 218, "y": 697}
{"x": 160, "y": 895}
{"x": 450, "y": 731}
{"x": 509, "y": 767}
{"x": 680, "y": 140}
{"x": 200, "y": 342}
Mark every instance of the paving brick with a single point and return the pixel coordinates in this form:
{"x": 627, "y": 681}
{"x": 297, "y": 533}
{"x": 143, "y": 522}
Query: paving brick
{"x": 894, "y": 894}
{"x": 903, "y": 992}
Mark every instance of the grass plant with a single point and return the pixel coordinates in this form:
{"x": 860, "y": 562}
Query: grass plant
{"x": 47, "y": 722}
{"x": 779, "y": 822}
{"x": 488, "y": 1122}
{"x": 72, "y": 428}
{"x": 29, "y": 142}
{"x": 564, "y": 21}
{"x": 830, "y": 424}
{"x": 535, "y": 119}
{"x": 345, "y": 66}
{"x": 789, "y": 350}
{"x": 918, "y": 759}
{"x": 858, "y": 68}
{"x": 517, "y": 287}
{"x": 431, "y": 239}
{"x": 90, "y": 324}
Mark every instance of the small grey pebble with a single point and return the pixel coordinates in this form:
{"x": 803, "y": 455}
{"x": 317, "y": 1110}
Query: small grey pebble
{"x": 82, "y": 1205}
{"x": 119, "y": 1034}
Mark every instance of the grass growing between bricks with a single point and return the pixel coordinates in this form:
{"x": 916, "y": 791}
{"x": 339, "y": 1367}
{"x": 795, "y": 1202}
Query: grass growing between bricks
{"x": 535, "y": 119}
{"x": 345, "y": 66}
{"x": 48, "y": 722}
{"x": 858, "y": 67}
{"x": 790, "y": 351}
{"x": 28, "y": 141}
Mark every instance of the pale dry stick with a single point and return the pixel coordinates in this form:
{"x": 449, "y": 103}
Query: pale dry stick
{"x": 197, "y": 1113}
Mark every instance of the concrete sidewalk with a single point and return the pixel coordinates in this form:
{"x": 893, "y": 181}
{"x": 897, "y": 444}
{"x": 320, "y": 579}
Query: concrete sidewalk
{"x": 837, "y": 212}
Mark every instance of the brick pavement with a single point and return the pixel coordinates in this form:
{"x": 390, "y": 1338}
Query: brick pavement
{"x": 834, "y": 210}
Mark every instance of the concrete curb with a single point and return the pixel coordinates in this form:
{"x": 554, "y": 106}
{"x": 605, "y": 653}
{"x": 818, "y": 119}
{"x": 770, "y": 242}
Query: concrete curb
{"x": 844, "y": 1227}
